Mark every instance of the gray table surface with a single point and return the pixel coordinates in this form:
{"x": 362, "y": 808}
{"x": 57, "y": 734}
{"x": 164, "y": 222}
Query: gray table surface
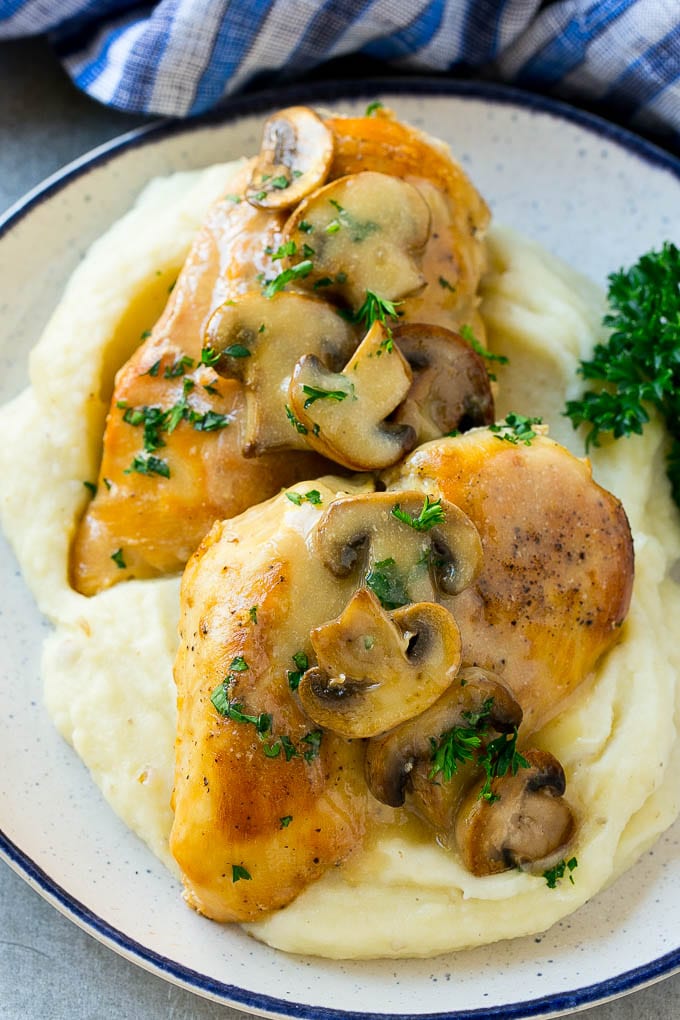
{"x": 49, "y": 968}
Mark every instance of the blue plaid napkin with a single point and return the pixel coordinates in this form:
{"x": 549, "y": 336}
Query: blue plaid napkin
{"x": 181, "y": 57}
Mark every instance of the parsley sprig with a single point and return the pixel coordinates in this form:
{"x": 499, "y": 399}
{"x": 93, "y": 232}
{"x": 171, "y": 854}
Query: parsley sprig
{"x": 373, "y": 309}
{"x": 431, "y": 514}
{"x": 639, "y": 367}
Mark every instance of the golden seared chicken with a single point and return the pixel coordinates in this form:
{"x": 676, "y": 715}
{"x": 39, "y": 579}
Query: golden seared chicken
{"x": 264, "y": 801}
{"x": 193, "y": 434}
{"x": 478, "y": 590}
{"x": 557, "y": 575}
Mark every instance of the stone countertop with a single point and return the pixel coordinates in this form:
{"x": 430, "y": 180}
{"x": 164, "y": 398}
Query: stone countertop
{"x": 49, "y": 968}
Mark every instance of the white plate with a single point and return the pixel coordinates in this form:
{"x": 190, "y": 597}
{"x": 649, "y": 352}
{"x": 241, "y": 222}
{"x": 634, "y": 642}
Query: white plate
{"x": 589, "y": 192}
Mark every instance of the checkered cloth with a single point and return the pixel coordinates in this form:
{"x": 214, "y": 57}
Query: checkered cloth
{"x": 181, "y": 57}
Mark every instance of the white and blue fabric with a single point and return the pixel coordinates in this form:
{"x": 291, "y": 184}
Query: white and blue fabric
{"x": 181, "y": 57}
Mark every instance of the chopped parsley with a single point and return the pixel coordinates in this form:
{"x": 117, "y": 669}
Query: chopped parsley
{"x": 373, "y": 108}
{"x": 500, "y": 757}
{"x": 252, "y": 613}
{"x": 313, "y": 393}
{"x": 460, "y": 744}
{"x": 639, "y": 367}
{"x": 305, "y": 227}
{"x": 553, "y": 875}
{"x": 117, "y": 558}
{"x": 443, "y": 282}
{"x": 294, "y": 676}
{"x": 431, "y": 514}
{"x": 153, "y": 371}
{"x": 285, "y": 821}
{"x": 313, "y": 496}
{"x": 91, "y": 487}
{"x": 179, "y": 367}
{"x": 238, "y": 872}
{"x": 296, "y": 423}
{"x": 384, "y": 581}
{"x": 516, "y": 429}
{"x": 283, "y": 251}
{"x": 144, "y": 335}
{"x": 374, "y": 309}
{"x": 298, "y": 272}
{"x": 470, "y": 339}
{"x": 147, "y": 464}
{"x": 236, "y": 351}
{"x": 238, "y": 665}
{"x": 359, "y": 229}
{"x": 209, "y": 356}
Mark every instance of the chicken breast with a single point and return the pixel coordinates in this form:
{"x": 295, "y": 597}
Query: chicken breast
{"x": 557, "y": 577}
{"x": 259, "y": 814}
{"x": 172, "y": 459}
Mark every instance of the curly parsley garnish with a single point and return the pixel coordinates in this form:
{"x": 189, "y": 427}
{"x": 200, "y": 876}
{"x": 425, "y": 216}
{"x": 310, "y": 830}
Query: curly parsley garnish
{"x": 460, "y": 744}
{"x": 432, "y": 513}
{"x": 500, "y": 757}
{"x": 639, "y": 367}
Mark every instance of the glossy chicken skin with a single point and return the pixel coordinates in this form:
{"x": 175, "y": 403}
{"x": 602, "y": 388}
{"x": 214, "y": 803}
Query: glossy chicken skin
{"x": 558, "y": 562}
{"x": 250, "y": 591}
{"x": 455, "y": 256}
{"x": 151, "y": 523}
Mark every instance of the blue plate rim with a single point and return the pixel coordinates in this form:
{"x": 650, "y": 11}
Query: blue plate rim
{"x": 234, "y": 108}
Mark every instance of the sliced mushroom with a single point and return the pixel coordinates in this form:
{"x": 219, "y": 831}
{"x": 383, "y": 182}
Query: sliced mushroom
{"x": 362, "y": 532}
{"x": 344, "y": 412}
{"x": 365, "y": 232}
{"x": 396, "y": 758}
{"x": 259, "y": 340}
{"x": 294, "y": 159}
{"x": 376, "y": 669}
{"x": 528, "y": 823}
{"x": 450, "y": 389}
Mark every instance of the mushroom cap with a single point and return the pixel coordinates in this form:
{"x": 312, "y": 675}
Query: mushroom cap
{"x": 259, "y": 341}
{"x": 395, "y": 759}
{"x": 362, "y": 531}
{"x": 376, "y": 669}
{"x": 450, "y": 389}
{"x": 367, "y": 231}
{"x": 528, "y": 823}
{"x": 294, "y": 159}
{"x": 344, "y": 412}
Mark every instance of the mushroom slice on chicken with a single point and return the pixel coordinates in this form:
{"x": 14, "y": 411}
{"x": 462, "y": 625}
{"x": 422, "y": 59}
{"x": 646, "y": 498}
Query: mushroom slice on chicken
{"x": 525, "y": 821}
{"x": 294, "y": 159}
{"x": 403, "y": 760}
{"x": 344, "y": 413}
{"x": 450, "y": 389}
{"x": 362, "y": 233}
{"x": 408, "y": 548}
{"x": 377, "y": 669}
{"x": 259, "y": 340}
{"x": 557, "y": 573}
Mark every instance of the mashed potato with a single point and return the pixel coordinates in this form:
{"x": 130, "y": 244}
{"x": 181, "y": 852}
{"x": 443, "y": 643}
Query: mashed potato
{"x": 108, "y": 664}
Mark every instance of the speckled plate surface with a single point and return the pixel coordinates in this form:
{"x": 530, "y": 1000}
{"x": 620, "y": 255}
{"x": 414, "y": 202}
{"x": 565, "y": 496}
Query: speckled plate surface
{"x": 589, "y": 192}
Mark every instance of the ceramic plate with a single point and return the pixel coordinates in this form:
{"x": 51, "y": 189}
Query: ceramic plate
{"x": 589, "y": 192}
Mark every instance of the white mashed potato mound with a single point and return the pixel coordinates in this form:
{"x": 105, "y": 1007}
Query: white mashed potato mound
{"x": 108, "y": 664}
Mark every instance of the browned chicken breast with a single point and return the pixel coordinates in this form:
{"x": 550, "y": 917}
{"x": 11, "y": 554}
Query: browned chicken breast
{"x": 178, "y": 448}
{"x": 481, "y": 588}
